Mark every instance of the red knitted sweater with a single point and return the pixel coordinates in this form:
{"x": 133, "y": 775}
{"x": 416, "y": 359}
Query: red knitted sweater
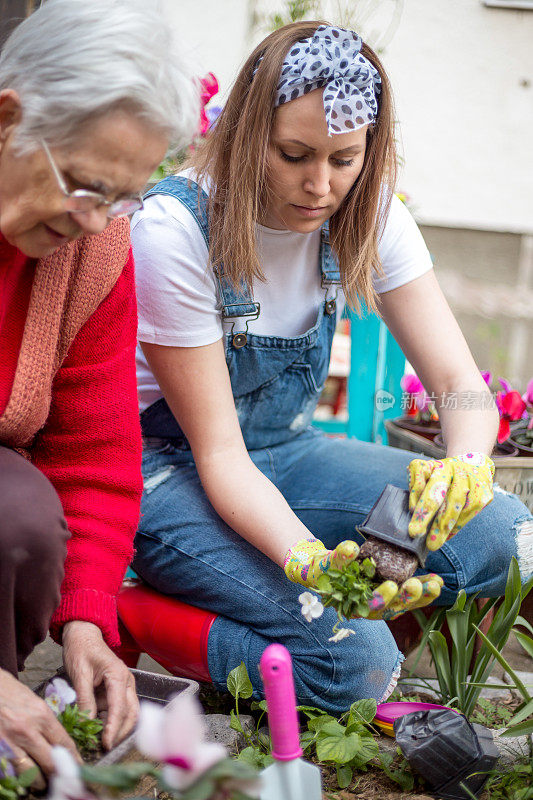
{"x": 90, "y": 445}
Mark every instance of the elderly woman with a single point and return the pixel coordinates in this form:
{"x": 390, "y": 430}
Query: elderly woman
{"x": 89, "y": 105}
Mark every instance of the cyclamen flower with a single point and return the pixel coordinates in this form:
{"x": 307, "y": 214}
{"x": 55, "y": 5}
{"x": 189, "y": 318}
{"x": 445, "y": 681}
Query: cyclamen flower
{"x": 66, "y": 782}
{"x": 175, "y": 735}
{"x": 528, "y": 396}
{"x": 312, "y": 608}
{"x": 487, "y": 377}
{"x": 6, "y": 755}
{"x": 511, "y": 408}
{"x": 58, "y": 695}
{"x": 413, "y": 385}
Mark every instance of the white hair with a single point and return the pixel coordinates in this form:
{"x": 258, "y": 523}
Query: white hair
{"x": 73, "y": 61}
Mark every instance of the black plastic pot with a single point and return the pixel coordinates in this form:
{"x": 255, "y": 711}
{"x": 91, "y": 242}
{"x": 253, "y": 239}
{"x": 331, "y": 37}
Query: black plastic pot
{"x": 389, "y": 520}
{"x": 427, "y": 429}
{"x": 452, "y": 755}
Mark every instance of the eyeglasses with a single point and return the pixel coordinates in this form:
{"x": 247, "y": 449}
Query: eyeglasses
{"x": 82, "y": 200}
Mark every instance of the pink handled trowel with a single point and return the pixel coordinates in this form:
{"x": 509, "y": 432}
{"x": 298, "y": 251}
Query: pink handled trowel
{"x": 289, "y": 778}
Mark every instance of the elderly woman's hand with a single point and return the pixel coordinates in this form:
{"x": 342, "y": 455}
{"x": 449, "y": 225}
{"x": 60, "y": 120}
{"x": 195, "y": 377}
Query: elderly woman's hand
{"x": 101, "y": 680}
{"x": 30, "y": 728}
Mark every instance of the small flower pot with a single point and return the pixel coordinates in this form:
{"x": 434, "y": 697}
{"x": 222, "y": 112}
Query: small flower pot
{"x": 516, "y": 430}
{"x": 427, "y": 429}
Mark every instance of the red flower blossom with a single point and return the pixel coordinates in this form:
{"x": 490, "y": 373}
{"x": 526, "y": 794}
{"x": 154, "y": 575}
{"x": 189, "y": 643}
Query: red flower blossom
{"x": 511, "y": 407}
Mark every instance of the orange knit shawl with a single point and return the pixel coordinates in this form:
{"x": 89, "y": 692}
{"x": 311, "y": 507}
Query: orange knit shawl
{"x": 68, "y": 287}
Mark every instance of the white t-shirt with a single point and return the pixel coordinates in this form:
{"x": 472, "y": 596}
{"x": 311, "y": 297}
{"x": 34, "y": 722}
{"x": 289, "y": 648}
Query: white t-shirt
{"x": 177, "y": 291}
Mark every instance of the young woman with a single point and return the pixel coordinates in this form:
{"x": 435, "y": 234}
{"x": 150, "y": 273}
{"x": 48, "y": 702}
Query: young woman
{"x": 243, "y": 264}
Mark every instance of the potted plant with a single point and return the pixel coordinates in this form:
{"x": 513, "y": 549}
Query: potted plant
{"x": 420, "y": 412}
{"x": 521, "y": 434}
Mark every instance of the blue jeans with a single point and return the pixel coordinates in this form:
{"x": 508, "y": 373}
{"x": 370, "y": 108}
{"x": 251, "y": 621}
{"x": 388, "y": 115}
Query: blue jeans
{"x": 184, "y": 549}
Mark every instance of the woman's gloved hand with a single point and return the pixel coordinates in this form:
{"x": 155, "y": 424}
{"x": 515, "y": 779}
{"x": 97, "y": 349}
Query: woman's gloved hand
{"x": 444, "y": 495}
{"x": 308, "y": 559}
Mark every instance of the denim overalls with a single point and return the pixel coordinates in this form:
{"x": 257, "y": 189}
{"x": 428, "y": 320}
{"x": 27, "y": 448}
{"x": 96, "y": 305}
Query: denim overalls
{"x": 276, "y": 381}
{"x": 184, "y": 549}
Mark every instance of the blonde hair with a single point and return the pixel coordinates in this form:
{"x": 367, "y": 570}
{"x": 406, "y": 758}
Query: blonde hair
{"x": 235, "y": 157}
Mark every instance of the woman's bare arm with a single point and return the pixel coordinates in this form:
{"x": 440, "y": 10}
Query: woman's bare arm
{"x": 196, "y": 384}
{"x": 419, "y": 317}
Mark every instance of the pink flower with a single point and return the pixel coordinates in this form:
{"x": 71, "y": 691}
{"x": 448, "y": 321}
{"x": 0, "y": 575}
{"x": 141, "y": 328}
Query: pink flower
{"x": 175, "y": 735}
{"x": 528, "y": 396}
{"x": 487, "y": 377}
{"x": 511, "y": 407}
{"x": 412, "y": 384}
{"x": 209, "y": 88}
{"x": 506, "y": 386}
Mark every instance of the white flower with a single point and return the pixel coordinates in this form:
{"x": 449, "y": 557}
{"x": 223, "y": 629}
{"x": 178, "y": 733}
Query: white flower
{"x": 66, "y": 783}
{"x": 59, "y": 694}
{"x": 312, "y": 608}
{"x": 341, "y": 634}
{"x": 175, "y": 735}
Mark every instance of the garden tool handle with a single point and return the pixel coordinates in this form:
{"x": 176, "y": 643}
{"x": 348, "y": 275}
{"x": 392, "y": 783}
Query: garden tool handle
{"x": 276, "y": 672}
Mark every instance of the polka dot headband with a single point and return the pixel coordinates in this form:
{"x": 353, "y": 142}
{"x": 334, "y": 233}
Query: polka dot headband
{"x": 332, "y": 59}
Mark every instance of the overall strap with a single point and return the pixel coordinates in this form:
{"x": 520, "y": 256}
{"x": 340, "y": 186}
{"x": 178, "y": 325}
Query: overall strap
{"x": 235, "y": 302}
{"x": 329, "y": 269}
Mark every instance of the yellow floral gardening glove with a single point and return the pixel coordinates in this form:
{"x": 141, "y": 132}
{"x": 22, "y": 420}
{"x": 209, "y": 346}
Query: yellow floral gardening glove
{"x": 445, "y": 495}
{"x": 308, "y": 559}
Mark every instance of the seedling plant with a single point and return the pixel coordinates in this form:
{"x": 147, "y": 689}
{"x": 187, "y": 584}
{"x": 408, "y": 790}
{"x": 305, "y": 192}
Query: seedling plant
{"x": 347, "y": 744}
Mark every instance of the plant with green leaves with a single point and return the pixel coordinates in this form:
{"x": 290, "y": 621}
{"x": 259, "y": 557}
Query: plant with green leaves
{"x": 456, "y": 686}
{"x": 348, "y": 590}
{"x": 514, "y": 783}
{"x": 83, "y": 730}
{"x": 13, "y": 786}
{"x": 521, "y": 723}
{"x": 347, "y": 743}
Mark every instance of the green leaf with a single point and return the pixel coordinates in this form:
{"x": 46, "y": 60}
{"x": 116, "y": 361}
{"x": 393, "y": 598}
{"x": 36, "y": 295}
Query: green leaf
{"x": 27, "y": 777}
{"x": 259, "y": 705}
{"x": 363, "y": 710}
{"x": 310, "y": 711}
{"x": 337, "y": 748}
{"x": 368, "y": 749}
{"x": 202, "y": 789}
{"x": 522, "y": 714}
{"x": 439, "y": 651}
{"x": 306, "y": 739}
{"x": 317, "y": 723}
{"x": 526, "y": 642}
{"x": 501, "y": 660}
{"x": 123, "y": 777}
{"x": 239, "y": 684}
{"x": 522, "y": 729}
{"x": 344, "y": 775}
{"x": 523, "y": 623}
{"x": 235, "y": 723}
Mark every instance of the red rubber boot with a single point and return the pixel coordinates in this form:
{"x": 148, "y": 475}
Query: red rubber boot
{"x": 173, "y": 633}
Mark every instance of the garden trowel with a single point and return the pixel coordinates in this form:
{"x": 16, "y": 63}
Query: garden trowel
{"x": 289, "y": 777}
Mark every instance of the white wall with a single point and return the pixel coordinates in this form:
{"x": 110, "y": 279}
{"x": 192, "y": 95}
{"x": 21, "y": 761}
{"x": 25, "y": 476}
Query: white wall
{"x": 463, "y": 79}
{"x": 214, "y": 34}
